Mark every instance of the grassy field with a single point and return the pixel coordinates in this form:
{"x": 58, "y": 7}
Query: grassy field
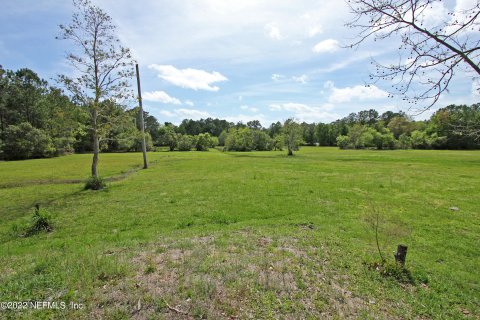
{"x": 256, "y": 235}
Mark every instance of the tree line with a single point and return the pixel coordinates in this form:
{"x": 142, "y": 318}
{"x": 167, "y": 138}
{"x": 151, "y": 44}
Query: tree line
{"x": 38, "y": 120}
{"x": 451, "y": 127}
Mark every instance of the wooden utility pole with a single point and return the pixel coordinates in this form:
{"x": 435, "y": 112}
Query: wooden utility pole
{"x": 142, "y": 124}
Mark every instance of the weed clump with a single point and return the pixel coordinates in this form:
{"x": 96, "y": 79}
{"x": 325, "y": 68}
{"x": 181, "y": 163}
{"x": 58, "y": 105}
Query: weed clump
{"x": 41, "y": 222}
{"x": 95, "y": 183}
{"x": 394, "y": 271}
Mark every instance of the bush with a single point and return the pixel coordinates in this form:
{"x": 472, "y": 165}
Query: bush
{"x": 41, "y": 221}
{"x": 202, "y": 141}
{"x": 278, "y": 142}
{"x": 343, "y": 142}
{"x": 64, "y": 145}
{"x": 262, "y": 141}
{"x": 137, "y": 144}
{"x": 222, "y": 138}
{"x": 95, "y": 183}
{"x": 240, "y": 139}
{"x": 404, "y": 141}
{"x": 185, "y": 142}
{"x": 132, "y": 141}
{"x": 168, "y": 137}
{"x": 26, "y": 142}
{"x": 395, "y": 271}
{"x": 213, "y": 142}
{"x": 384, "y": 141}
{"x": 419, "y": 140}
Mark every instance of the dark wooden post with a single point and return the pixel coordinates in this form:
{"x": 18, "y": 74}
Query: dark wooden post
{"x": 142, "y": 124}
{"x": 401, "y": 254}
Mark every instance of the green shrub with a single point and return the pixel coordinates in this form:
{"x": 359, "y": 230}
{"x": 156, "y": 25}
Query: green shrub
{"x": 240, "y": 139}
{"x": 137, "y": 144}
{"x": 95, "y": 183}
{"x": 278, "y": 142}
{"x": 26, "y": 142}
{"x": 185, "y": 142}
{"x": 130, "y": 141}
{"x": 396, "y": 271}
{"x": 384, "y": 140}
{"x": 419, "y": 140}
{"x": 41, "y": 222}
{"x": 213, "y": 142}
{"x": 405, "y": 141}
{"x": 262, "y": 141}
{"x": 64, "y": 145}
{"x": 168, "y": 137}
{"x": 222, "y": 138}
{"x": 343, "y": 142}
{"x": 202, "y": 142}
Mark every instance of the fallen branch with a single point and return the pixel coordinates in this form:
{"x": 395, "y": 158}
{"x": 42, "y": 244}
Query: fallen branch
{"x": 175, "y": 309}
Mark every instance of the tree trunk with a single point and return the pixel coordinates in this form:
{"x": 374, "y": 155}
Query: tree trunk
{"x": 290, "y": 151}
{"x": 401, "y": 254}
{"x": 96, "y": 147}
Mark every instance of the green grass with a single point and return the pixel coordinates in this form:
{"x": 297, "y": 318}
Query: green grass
{"x": 261, "y": 235}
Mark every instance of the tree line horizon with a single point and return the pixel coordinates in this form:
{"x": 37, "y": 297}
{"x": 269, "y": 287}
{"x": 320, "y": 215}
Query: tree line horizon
{"x": 38, "y": 120}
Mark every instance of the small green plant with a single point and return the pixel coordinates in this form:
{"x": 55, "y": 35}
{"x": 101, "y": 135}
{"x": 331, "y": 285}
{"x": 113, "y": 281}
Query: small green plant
{"x": 395, "y": 271}
{"x": 95, "y": 183}
{"x": 41, "y": 222}
{"x": 150, "y": 268}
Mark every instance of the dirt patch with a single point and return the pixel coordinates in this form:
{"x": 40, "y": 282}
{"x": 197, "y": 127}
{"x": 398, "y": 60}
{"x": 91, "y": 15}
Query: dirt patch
{"x": 244, "y": 276}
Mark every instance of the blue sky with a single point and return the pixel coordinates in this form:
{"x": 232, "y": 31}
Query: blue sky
{"x": 237, "y": 60}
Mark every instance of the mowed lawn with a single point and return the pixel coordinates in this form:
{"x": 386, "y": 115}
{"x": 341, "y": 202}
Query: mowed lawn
{"x": 258, "y": 235}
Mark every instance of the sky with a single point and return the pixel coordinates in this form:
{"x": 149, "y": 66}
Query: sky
{"x": 265, "y": 60}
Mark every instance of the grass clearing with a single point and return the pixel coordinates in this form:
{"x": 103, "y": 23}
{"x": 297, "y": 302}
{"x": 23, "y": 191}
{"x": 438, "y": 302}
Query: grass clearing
{"x": 248, "y": 235}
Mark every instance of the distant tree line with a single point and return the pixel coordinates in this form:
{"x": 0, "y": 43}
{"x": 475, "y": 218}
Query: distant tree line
{"x": 452, "y": 127}
{"x": 38, "y": 120}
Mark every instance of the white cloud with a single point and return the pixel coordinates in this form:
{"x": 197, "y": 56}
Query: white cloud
{"x": 434, "y": 14}
{"x": 189, "y": 78}
{"x": 277, "y": 77}
{"x": 357, "y": 92}
{"x": 280, "y": 77}
{"x": 252, "y": 109}
{"x": 167, "y": 113}
{"x": 329, "y": 85}
{"x": 272, "y": 31}
{"x": 275, "y": 107}
{"x": 464, "y": 9}
{"x": 160, "y": 96}
{"x": 314, "y": 30}
{"x": 192, "y": 114}
{"x": 301, "y": 79}
{"x": 307, "y": 113}
{"x": 189, "y": 103}
{"x": 182, "y": 113}
{"x": 326, "y": 46}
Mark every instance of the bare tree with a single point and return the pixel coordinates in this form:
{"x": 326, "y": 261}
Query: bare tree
{"x": 431, "y": 52}
{"x": 103, "y": 67}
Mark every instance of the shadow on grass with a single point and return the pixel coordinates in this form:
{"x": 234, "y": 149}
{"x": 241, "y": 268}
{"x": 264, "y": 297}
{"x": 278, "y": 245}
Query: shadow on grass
{"x": 255, "y": 154}
{"x": 20, "y": 210}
